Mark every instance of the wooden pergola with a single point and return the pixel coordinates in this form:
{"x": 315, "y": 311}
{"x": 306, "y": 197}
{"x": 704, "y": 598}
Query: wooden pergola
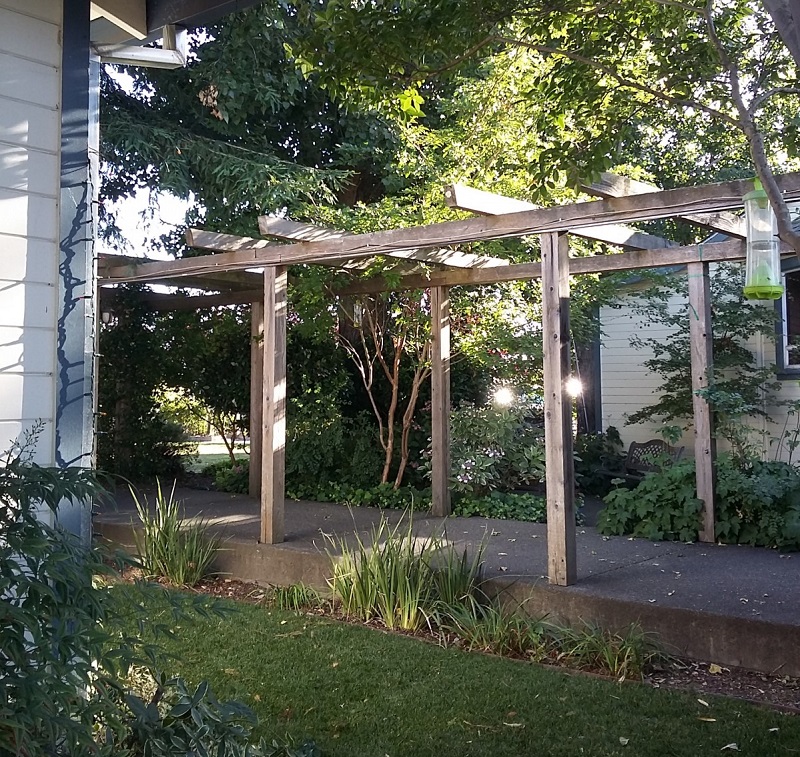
{"x": 231, "y": 273}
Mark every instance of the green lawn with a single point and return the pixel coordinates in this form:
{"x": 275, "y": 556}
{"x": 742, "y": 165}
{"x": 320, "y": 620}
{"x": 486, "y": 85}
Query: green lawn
{"x": 358, "y": 691}
{"x": 211, "y": 452}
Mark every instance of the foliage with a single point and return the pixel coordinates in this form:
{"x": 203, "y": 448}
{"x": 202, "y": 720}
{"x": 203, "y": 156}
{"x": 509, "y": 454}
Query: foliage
{"x": 738, "y": 386}
{"x": 756, "y": 503}
{"x": 212, "y": 353}
{"x": 296, "y": 597}
{"x": 621, "y": 655}
{"x": 504, "y": 505}
{"x": 399, "y": 578}
{"x": 492, "y": 628}
{"x": 135, "y": 439}
{"x": 722, "y": 65}
{"x": 233, "y": 477}
{"x": 595, "y": 455}
{"x": 64, "y": 654}
{"x": 178, "y": 720}
{"x": 168, "y": 546}
{"x": 494, "y": 448}
{"x": 326, "y": 448}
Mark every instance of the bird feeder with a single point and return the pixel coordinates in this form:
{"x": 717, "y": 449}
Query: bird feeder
{"x": 763, "y": 266}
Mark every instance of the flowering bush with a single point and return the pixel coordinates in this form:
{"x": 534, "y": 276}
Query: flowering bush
{"x": 494, "y": 448}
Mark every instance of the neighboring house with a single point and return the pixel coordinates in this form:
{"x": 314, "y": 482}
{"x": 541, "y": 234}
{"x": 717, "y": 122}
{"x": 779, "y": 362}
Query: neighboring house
{"x": 49, "y": 80}
{"x": 627, "y": 385}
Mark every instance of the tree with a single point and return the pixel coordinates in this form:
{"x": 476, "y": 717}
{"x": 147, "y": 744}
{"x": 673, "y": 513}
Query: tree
{"x": 597, "y": 67}
{"x": 738, "y": 388}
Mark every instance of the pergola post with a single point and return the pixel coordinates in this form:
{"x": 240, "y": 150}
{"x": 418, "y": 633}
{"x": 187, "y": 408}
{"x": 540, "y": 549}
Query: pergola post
{"x": 273, "y": 457}
{"x": 701, "y": 337}
{"x": 440, "y": 401}
{"x": 561, "y": 564}
{"x": 256, "y": 395}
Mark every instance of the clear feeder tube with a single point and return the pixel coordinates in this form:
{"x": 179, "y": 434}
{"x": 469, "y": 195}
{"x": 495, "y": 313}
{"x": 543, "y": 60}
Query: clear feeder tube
{"x": 763, "y": 266}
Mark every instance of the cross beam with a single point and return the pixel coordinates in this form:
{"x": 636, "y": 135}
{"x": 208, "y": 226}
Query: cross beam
{"x": 644, "y": 207}
{"x": 294, "y": 231}
{"x": 611, "y": 185}
{"x": 477, "y": 201}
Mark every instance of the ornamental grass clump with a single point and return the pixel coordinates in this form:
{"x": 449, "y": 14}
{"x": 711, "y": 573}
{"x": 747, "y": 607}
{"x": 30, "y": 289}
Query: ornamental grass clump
{"x": 492, "y": 628}
{"x": 399, "y": 578}
{"x": 169, "y": 547}
{"x": 621, "y": 655}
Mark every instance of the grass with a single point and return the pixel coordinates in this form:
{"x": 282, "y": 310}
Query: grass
{"x": 360, "y": 692}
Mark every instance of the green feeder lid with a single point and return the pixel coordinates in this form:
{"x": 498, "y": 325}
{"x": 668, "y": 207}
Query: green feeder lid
{"x": 758, "y": 194}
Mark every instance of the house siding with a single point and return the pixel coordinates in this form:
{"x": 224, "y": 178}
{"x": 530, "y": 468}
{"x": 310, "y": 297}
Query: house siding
{"x": 627, "y": 386}
{"x": 30, "y": 137}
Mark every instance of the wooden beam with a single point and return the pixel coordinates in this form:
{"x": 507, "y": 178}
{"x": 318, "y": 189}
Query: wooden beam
{"x": 487, "y": 203}
{"x": 730, "y": 251}
{"x": 440, "y": 402}
{"x": 164, "y": 302}
{"x": 611, "y": 185}
{"x": 708, "y": 198}
{"x": 256, "y": 396}
{"x": 560, "y": 475}
{"x": 701, "y": 337}
{"x": 217, "y": 281}
{"x": 295, "y": 231}
{"x": 273, "y": 453}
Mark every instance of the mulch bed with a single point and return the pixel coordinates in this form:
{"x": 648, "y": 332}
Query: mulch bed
{"x": 780, "y": 692}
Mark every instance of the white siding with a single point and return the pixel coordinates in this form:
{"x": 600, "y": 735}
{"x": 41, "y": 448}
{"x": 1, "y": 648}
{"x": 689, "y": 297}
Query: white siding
{"x": 627, "y": 386}
{"x": 30, "y": 90}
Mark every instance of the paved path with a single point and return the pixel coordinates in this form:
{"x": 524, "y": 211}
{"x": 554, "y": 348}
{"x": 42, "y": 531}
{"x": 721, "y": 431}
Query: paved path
{"x": 734, "y": 581}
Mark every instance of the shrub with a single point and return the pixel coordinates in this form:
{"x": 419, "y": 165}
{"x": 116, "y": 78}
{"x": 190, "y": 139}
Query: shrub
{"x": 494, "y": 448}
{"x": 505, "y": 505}
{"x": 621, "y": 655}
{"x": 324, "y": 449}
{"x": 595, "y": 455}
{"x": 296, "y": 597}
{"x": 383, "y": 496}
{"x": 229, "y": 476}
{"x": 756, "y": 503}
{"x": 182, "y": 553}
{"x": 64, "y": 664}
{"x": 178, "y": 720}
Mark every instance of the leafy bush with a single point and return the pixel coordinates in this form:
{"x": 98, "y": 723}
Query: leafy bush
{"x": 383, "y": 496}
{"x": 595, "y": 455}
{"x": 178, "y": 720}
{"x": 180, "y": 552}
{"x": 328, "y": 448}
{"x": 494, "y": 448}
{"x": 621, "y": 655}
{"x": 756, "y": 503}
{"x": 229, "y": 476}
{"x": 505, "y": 505}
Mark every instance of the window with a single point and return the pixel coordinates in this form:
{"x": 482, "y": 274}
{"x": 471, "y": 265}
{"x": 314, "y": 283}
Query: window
{"x": 789, "y": 336}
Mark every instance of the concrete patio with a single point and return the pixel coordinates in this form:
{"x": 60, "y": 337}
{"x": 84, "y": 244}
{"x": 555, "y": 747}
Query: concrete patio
{"x": 732, "y": 605}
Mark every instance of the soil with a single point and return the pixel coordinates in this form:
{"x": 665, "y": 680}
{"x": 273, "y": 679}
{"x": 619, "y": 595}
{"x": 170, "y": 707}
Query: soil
{"x": 770, "y": 690}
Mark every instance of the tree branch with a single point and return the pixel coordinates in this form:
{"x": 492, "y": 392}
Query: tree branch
{"x": 757, "y": 150}
{"x": 644, "y": 88}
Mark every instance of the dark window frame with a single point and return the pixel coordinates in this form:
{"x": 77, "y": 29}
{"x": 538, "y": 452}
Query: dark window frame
{"x": 785, "y": 370}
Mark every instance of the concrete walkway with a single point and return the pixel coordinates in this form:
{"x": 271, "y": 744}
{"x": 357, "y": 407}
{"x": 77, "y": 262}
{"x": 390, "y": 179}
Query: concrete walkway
{"x": 730, "y": 604}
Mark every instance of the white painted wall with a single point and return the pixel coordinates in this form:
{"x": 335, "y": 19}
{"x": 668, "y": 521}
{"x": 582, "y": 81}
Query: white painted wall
{"x": 627, "y": 386}
{"x": 30, "y": 138}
